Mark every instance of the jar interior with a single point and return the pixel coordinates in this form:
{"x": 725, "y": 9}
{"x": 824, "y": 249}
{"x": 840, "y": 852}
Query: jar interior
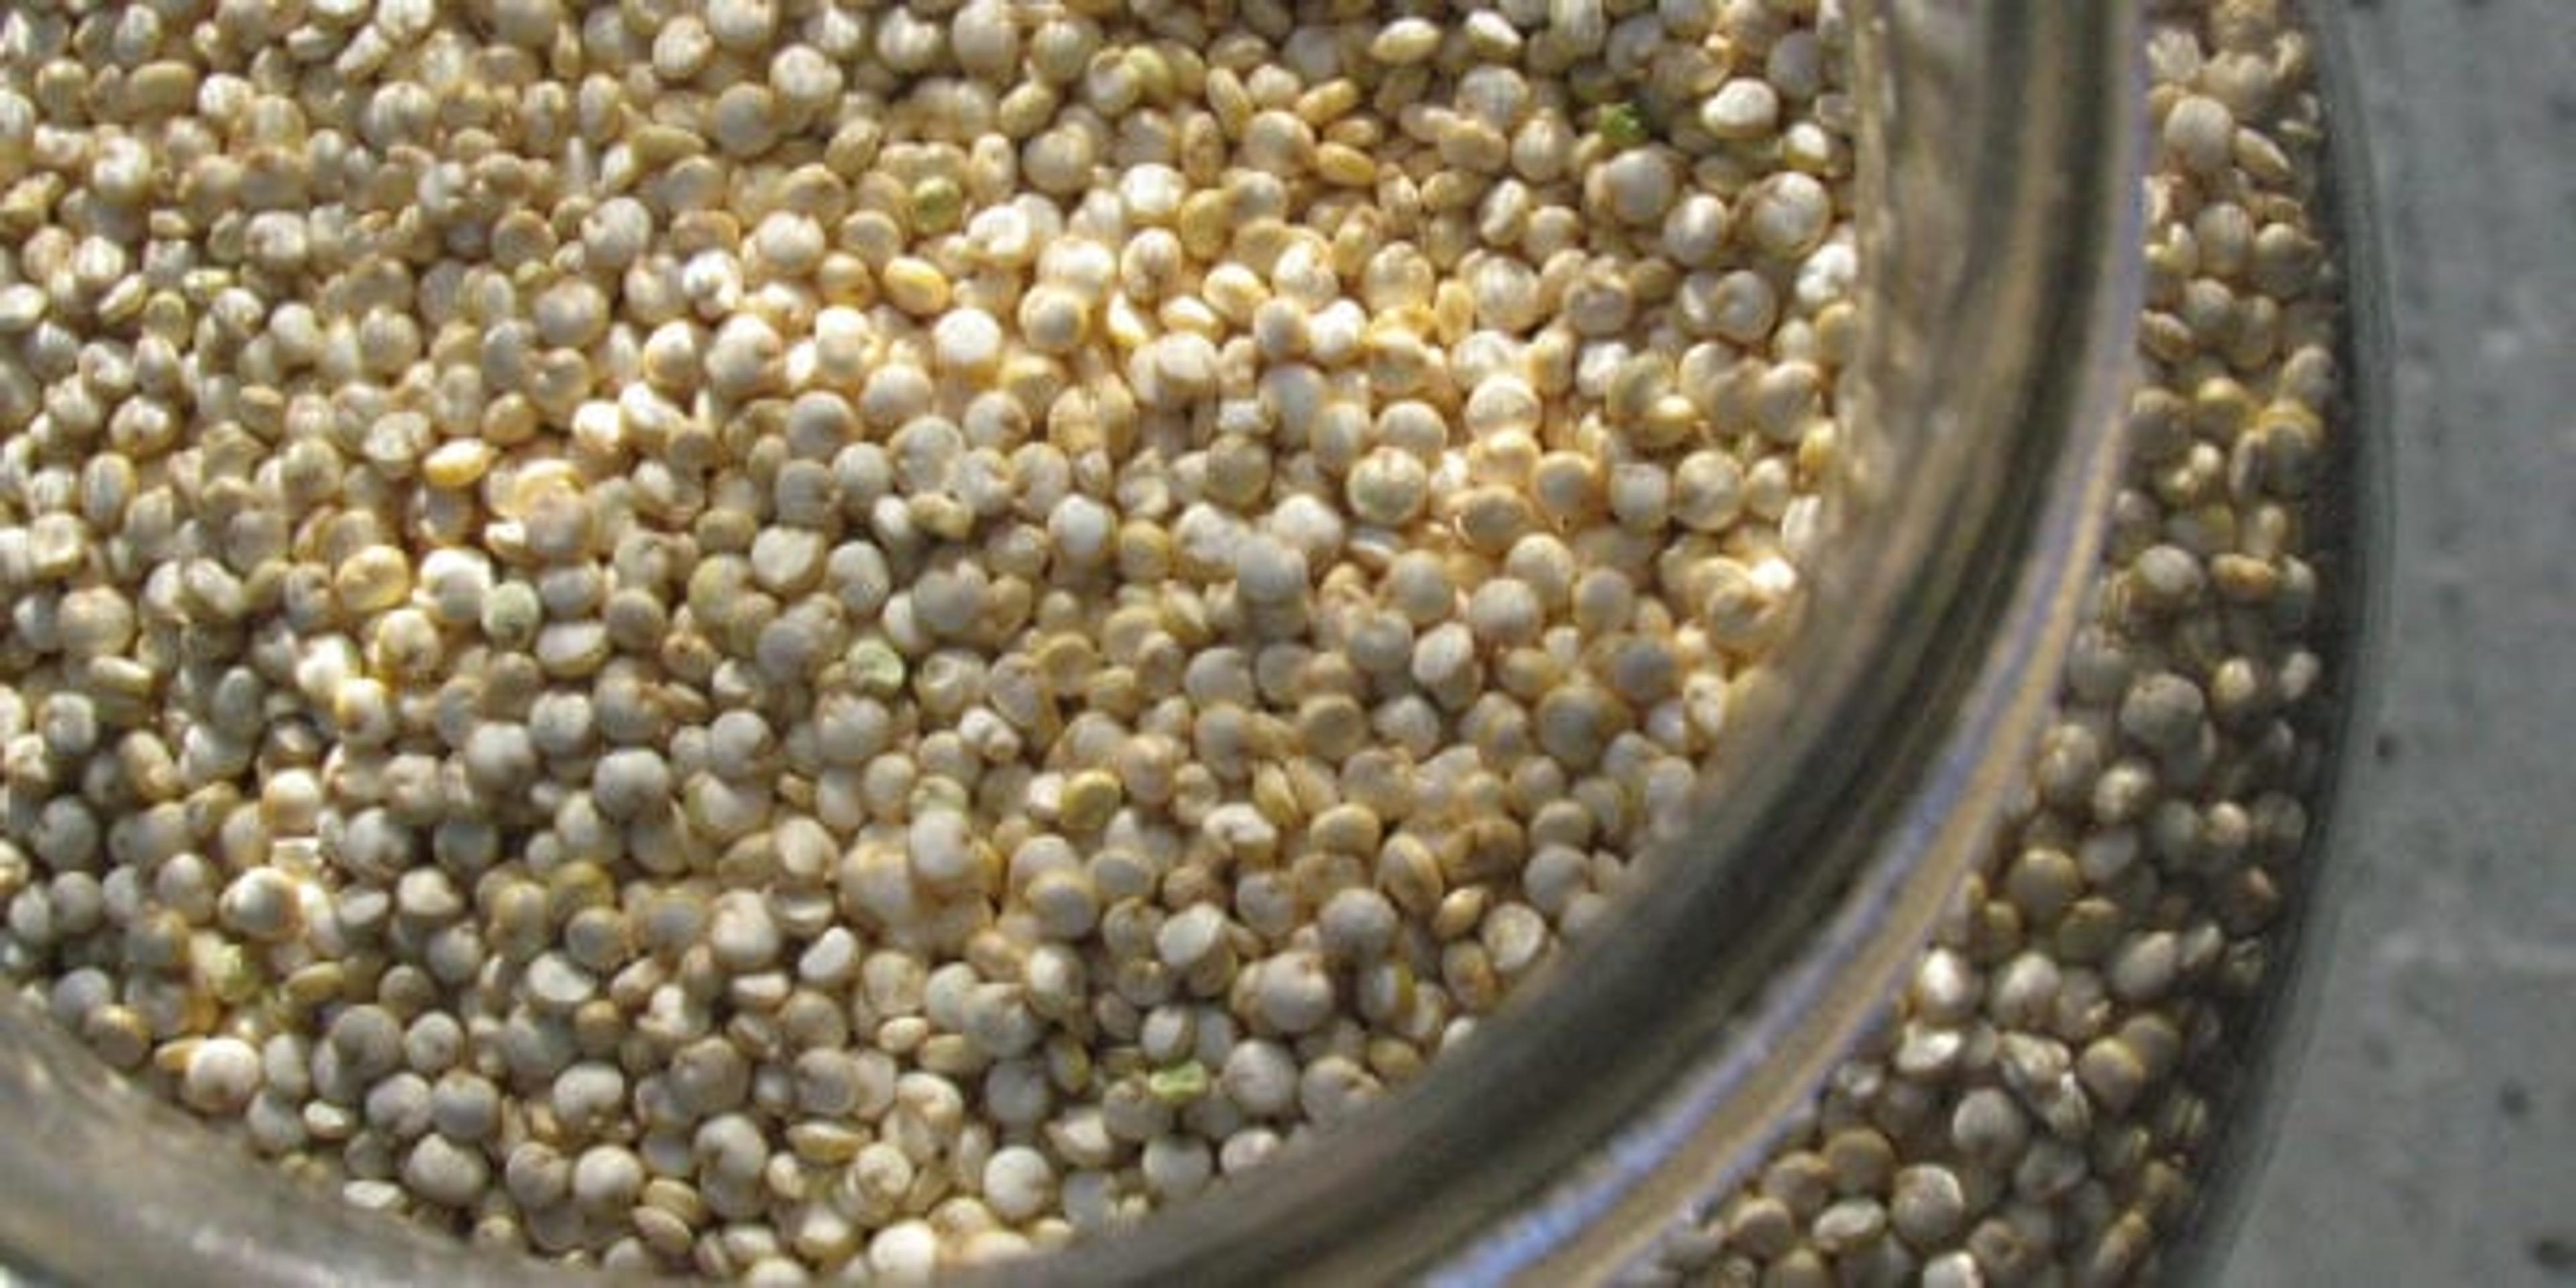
{"x": 1997, "y": 179}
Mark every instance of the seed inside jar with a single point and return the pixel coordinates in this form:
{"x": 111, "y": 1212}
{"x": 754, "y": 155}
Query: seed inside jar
{"x": 2038, "y": 1102}
{"x": 767, "y": 640}
{"x": 762, "y": 638}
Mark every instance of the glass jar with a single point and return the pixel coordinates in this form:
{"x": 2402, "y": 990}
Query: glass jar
{"x": 1663, "y": 1059}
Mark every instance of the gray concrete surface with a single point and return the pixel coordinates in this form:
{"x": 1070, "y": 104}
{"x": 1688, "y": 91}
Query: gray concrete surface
{"x": 2432, "y": 1139}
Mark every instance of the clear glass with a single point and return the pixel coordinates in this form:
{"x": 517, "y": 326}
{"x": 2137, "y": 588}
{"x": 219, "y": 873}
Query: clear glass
{"x": 2352, "y": 523}
{"x": 1656, "y": 1063}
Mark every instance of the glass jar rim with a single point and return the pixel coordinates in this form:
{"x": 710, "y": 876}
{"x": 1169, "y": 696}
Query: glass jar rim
{"x": 1756, "y": 949}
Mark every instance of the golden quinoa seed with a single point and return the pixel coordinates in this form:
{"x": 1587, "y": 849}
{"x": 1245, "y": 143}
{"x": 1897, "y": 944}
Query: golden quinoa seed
{"x": 860, "y": 643}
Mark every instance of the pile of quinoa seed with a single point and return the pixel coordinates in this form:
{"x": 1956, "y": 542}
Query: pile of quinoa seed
{"x": 787, "y": 639}
{"x": 2038, "y": 1106}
